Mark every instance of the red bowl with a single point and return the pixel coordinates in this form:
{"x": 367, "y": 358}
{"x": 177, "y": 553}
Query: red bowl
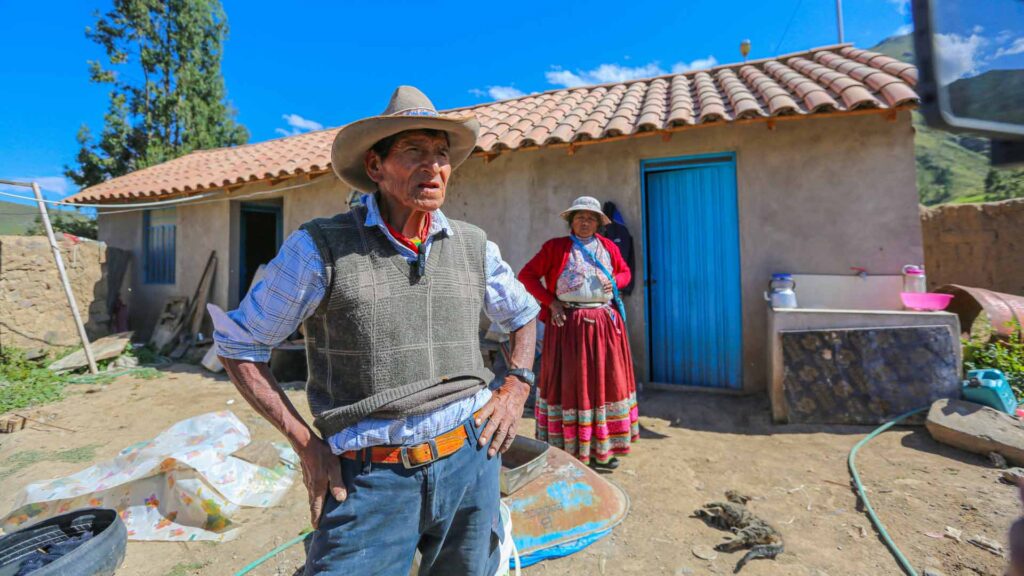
{"x": 925, "y": 301}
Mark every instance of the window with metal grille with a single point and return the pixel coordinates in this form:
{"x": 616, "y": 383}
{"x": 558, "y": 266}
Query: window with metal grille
{"x": 159, "y": 231}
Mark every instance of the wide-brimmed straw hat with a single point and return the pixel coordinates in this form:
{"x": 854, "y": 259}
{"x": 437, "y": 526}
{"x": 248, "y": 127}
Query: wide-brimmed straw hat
{"x": 409, "y": 109}
{"x": 587, "y": 204}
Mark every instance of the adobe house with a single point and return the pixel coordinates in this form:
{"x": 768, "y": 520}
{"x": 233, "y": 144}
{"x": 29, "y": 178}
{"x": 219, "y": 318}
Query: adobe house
{"x": 801, "y": 163}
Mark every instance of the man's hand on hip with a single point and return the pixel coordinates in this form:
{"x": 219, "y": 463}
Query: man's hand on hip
{"x": 502, "y": 414}
{"x": 321, "y": 471}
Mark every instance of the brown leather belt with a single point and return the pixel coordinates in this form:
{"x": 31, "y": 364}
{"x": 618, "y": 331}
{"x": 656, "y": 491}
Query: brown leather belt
{"x": 418, "y": 455}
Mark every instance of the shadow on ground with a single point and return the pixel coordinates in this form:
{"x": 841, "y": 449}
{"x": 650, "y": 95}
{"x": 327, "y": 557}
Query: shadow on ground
{"x": 711, "y": 412}
{"x": 920, "y": 440}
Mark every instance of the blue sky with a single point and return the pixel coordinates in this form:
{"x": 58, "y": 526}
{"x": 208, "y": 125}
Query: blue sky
{"x": 296, "y": 66}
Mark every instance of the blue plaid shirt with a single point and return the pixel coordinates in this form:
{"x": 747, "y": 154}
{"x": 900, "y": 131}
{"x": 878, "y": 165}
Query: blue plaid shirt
{"x": 292, "y": 287}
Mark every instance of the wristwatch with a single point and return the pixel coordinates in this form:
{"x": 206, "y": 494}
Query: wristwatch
{"x": 523, "y": 374}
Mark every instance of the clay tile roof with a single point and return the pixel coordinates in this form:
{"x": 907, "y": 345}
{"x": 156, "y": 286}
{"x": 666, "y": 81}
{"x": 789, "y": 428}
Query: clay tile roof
{"x": 834, "y": 79}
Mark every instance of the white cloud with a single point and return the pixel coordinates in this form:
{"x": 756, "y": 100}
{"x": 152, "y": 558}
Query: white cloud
{"x": 504, "y": 92}
{"x": 52, "y": 187}
{"x": 56, "y": 185}
{"x": 1004, "y": 36}
{"x": 902, "y": 6}
{"x": 606, "y": 73}
{"x": 603, "y": 74}
{"x": 565, "y": 78}
{"x": 615, "y": 73}
{"x": 298, "y": 125}
{"x": 498, "y": 92}
{"x": 960, "y": 55}
{"x": 1017, "y": 47}
{"x": 697, "y": 64}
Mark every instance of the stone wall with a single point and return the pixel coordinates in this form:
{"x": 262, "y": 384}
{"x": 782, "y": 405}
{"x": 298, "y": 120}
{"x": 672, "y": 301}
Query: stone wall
{"x": 34, "y": 312}
{"x": 980, "y": 245}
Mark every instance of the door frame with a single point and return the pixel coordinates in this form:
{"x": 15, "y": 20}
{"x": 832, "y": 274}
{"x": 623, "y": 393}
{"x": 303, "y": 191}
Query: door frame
{"x": 278, "y": 211}
{"x": 667, "y": 164}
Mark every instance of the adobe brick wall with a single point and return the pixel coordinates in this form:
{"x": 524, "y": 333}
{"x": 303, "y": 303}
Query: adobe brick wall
{"x": 34, "y": 311}
{"x": 979, "y": 245}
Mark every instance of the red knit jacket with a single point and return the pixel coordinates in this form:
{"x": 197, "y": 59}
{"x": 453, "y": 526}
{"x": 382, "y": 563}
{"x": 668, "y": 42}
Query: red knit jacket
{"x": 552, "y": 259}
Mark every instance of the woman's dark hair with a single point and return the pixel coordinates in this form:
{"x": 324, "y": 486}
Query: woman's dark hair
{"x": 383, "y": 147}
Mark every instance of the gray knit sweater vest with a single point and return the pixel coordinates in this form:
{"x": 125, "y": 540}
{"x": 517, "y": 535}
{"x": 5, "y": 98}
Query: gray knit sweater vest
{"x": 384, "y": 341}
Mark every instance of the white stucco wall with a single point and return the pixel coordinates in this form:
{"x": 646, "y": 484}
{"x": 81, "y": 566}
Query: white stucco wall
{"x": 815, "y": 196}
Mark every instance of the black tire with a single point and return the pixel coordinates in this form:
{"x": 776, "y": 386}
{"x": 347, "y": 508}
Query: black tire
{"x": 99, "y": 556}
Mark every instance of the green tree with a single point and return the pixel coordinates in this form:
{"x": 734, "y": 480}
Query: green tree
{"x": 1004, "y": 184}
{"x": 934, "y": 182}
{"x": 61, "y": 221}
{"x": 167, "y": 94}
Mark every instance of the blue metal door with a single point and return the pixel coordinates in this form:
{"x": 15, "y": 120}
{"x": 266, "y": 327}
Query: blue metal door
{"x": 693, "y": 272}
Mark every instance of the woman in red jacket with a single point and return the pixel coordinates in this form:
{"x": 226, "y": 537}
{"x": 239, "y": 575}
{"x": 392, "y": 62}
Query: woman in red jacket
{"x": 586, "y": 402}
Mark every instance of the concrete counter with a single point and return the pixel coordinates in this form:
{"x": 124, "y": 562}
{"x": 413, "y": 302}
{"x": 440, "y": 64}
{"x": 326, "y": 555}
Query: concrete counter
{"x": 803, "y": 320}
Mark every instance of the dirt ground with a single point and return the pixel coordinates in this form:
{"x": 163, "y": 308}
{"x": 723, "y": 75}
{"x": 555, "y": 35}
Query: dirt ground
{"x": 693, "y": 448}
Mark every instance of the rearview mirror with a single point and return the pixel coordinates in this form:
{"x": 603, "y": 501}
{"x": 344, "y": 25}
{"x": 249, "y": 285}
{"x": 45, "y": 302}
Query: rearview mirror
{"x": 970, "y": 56}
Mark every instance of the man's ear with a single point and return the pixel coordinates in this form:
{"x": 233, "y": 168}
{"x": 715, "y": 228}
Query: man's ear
{"x": 372, "y": 164}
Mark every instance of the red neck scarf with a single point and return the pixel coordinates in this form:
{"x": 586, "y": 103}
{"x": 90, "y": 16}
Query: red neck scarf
{"x": 412, "y": 243}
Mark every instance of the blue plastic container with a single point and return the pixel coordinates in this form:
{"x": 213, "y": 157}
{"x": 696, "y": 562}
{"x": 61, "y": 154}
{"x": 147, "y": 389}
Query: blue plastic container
{"x": 990, "y": 388}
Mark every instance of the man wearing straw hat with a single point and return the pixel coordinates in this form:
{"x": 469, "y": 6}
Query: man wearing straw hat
{"x": 389, "y": 295}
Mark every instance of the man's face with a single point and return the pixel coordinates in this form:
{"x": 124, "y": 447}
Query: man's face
{"x": 415, "y": 172}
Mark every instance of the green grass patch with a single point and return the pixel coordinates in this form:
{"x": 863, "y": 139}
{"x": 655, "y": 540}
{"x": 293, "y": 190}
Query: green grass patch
{"x": 25, "y": 383}
{"x": 16, "y": 218}
{"x": 974, "y": 198}
{"x": 1006, "y": 355}
{"x": 21, "y": 219}
{"x": 19, "y": 460}
{"x": 144, "y": 354}
{"x": 186, "y": 568}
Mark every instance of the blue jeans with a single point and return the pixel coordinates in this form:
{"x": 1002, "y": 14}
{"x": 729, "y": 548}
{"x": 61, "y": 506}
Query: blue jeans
{"x": 447, "y": 509}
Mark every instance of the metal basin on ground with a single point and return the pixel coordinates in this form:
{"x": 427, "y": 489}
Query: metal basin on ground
{"x": 523, "y": 463}
{"x": 564, "y": 509}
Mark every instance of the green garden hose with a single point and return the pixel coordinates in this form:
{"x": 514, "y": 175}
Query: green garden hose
{"x": 900, "y": 558}
{"x": 252, "y": 565}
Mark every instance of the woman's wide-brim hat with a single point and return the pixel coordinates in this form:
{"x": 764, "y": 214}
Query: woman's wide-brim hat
{"x": 409, "y": 109}
{"x": 586, "y": 204}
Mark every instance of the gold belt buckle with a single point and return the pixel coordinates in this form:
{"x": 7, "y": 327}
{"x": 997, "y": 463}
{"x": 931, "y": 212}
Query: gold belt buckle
{"x": 434, "y": 454}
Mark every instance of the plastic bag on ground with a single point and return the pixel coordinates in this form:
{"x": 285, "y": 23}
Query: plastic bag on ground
{"x": 182, "y": 485}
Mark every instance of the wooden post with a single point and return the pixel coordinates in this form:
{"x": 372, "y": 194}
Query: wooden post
{"x": 64, "y": 280}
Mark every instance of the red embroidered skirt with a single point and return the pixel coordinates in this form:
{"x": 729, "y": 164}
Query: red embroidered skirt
{"x": 586, "y": 403}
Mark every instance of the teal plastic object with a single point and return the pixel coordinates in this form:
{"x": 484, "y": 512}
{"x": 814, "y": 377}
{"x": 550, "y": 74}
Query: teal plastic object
{"x": 990, "y": 388}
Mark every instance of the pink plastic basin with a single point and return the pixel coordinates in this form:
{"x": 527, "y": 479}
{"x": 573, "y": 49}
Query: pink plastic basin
{"x": 929, "y": 301}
